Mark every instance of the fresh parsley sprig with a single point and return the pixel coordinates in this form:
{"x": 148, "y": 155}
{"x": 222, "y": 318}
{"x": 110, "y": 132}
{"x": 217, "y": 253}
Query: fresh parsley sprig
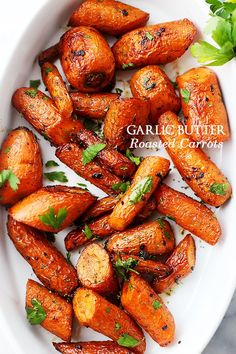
{"x": 35, "y": 314}
{"x": 52, "y": 219}
{"x": 222, "y": 26}
{"x": 8, "y": 175}
{"x": 124, "y": 266}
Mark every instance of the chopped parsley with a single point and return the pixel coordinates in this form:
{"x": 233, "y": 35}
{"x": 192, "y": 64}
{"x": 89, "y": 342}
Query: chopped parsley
{"x": 122, "y": 186}
{"x": 51, "y": 163}
{"x": 53, "y": 220}
{"x": 156, "y": 304}
{"x": 142, "y": 188}
{"x": 91, "y": 152}
{"x": 126, "y": 66}
{"x": 87, "y": 232}
{"x": 6, "y": 151}
{"x": 35, "y": 83}
{"x": 35, "y": 314}
{"x": 68, "y": 258}
{"x": 149, "y": 36}
{"x": 131, "y": 157}
{"x": 124, "y": 266}
{"x": 127, "y": 341}
{"x": 118, "y": 90}
{"x": 185, "y": 95}
{"x": 8, "y": 175}
{"x": 47, "y": 71}
{"x": 31, "y": 92}
{"x": 56, "y": 176}
{"x": 117, "y": 326}
{"x": 219, "y": 188}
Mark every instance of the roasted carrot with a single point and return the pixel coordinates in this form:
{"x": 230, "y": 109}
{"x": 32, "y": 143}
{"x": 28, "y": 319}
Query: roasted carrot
{"x": 105, "y": 347}
{"x": 149, "y": 174}
{"x": 57, "y": 89}
{"x": 188, "y": 213}
{"x": 58, "y": 311}
{"x": 72, "y": 156}
{"x": 40, "y": 111}
{"x": 108, "y": 16}
{"x": 94, "y": 105}
{"x": 100, "y": 228}
{"x": 181, "y": 261}
{"x": 49, "y": 265}
{"x": 160, "y": 270}
{"x": 20, "y": 157}
{"x": 93, "y": 311}
{"x": 154, "y": 237}
{"x": 99, "y": 208}
{"x": 50, "y": 54}
{"x": 148, "y": 309}
{"x": 197, "y": 170}
{"x": 95, "y": 270}
{"x": 86, "y": 59}
{"x": 153, "y": 83}
{"x": 121, "y": 114}
{"x": 52, "y": 208}
{"x": 110, "y": 158}
{"x": 155, "y": 44}
{"x": 205, "y": 112}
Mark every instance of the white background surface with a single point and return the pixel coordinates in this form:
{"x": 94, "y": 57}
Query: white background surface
{"x": 200, "y": 302}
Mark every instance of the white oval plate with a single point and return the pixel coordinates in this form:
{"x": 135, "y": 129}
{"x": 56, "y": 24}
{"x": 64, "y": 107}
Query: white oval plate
{"x": 200, "y": 301}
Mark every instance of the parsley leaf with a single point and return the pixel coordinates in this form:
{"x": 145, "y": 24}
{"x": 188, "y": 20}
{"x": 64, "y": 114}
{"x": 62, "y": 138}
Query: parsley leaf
{"x": 124, "y": 266}
{"x": 35, "y": 83}
{"x": 127, "y": 341}
{"x": 51, "y": 163}
{"x": 95, "y": 126}
{"x": 126, "y": 66}
{"x": 149, "y": 36}
{"x": 31, "y": 92}
{"x": 142, "y": 188}
{"x": 8, "y": 175}
{"x": 222, "y": 27}
{"x": 219, "y": 188}
{"x": 122, "y": 186}
{"x": 53, "y": 220}
{"x": 6, "y": 151}
{"x": 117, "y": 326}
{"x": 47, "y": 71}
{"x": 91, "y": 152}
{"x": 56, "y": 176}
{"x": 156, "y": 304}
{"x": 131, "y": 157}
{"x": 35, "y": 314}
{"x": 185, "y": 95}
{"x": 118, "y": 90}
{"x": 68, "y": 256}
{"x": 88, "y": 232}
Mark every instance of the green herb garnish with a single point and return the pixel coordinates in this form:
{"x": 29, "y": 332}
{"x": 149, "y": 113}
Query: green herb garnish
{"x": 156, "y": 304}
{"x": 149, "y": 36}
{"x": 117, "y": 326}
{"x": 118, "y": 90}
{"x": 91, "y": 152}
{"x": 68, "y": 258}
{"x": 35, "y": 83}
{"x": 47, "y": 71}
{"x": 126, "y": 66}
{"x": 53, "y": 220}
{"x": 8, "y": 175}
{"x": 124, "y": 266}
{"x": 185, "y": 95}
{"x": 56, "y": 176}
{"x": 6, "y": 151}
{"x": 51, "y": 163}
{"x": 131, "y": 157}
{"x": 142, "y": 188}
{"x": 222, "y": 27}
{"x": 95, "y": 126}
{"x": 88, "y": 232}
{"x": 35, "y": 314}
{"x": 122, "y": 186}
{"x": 219, "y": 188}
{"x": 127, "y": 341}
{"x": 31, "y": 92}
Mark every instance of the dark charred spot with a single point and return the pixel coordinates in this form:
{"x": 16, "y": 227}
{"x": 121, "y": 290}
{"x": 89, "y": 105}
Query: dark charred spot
{"x": 94, "y": 79}
{"x": 187, "y": 178}
{"x": 79, "y": 53}
{"x": 97, "y": 175}
{"x": 212, "y": 89}
{"x": 78, "y": 346}
{"x": 151, "y": 295}
{"x": 142, "y": 247}
{"x": 161, "y": 30}
{"x": 201, "y": 175}
{"x": 144, "y": 41}
{"x": 159, "y": 175}
{"x": 124, "y": 12}
{"x": 207, "y": 99}
{"x": 192, "y": 269}
{"x": 164, "y": 328}
{"x": 143, "y": 254}
{"x": 122, "y": 203}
